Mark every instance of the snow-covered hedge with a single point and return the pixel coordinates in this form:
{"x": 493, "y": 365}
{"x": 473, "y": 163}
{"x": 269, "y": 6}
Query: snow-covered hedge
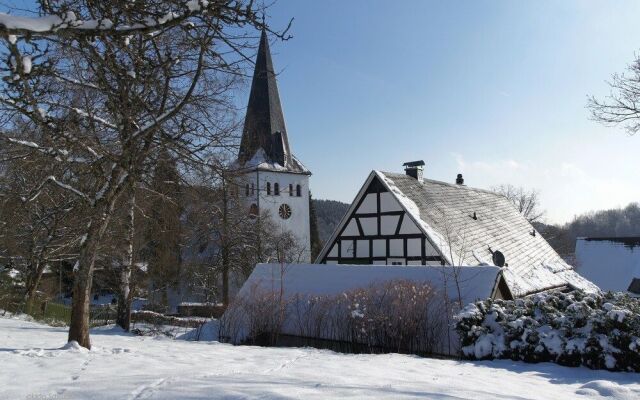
{"x": 600, "y": 331}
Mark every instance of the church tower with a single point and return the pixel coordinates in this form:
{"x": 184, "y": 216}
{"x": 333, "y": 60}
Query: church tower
{"x": 273, "y": 179}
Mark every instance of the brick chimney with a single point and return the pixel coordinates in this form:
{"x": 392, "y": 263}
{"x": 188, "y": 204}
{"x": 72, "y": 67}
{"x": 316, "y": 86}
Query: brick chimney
{"x": 414, "y": 169}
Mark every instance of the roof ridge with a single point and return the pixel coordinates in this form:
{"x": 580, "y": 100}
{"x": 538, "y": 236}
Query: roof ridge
{"x": 448, "y": 184}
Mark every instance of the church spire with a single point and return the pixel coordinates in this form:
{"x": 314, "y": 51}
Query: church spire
{"x": 264, "y": 126}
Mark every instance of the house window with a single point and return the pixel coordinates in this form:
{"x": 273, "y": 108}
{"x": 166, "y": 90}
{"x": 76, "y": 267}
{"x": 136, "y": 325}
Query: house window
{"x": 246, "y": 189}
{"x": 253, "y": 189}
{"x": 298, "y": 191}
{"x": 276, "y": 189}
{"x": 290, "y": 189}
{"x": 268, "y": 188}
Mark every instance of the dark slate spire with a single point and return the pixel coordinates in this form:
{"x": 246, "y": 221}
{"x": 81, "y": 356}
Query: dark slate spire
{"x": 264, "y": 126}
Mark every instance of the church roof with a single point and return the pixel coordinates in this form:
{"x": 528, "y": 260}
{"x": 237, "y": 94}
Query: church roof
{"x": 265, "y": 144}
{"x": 468, "y": 224}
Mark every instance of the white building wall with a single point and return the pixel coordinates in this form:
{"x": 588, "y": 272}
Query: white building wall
{"x": 298, "y": 223}
{"x": 350, "y": 243}
{"x": 608, "y": 264}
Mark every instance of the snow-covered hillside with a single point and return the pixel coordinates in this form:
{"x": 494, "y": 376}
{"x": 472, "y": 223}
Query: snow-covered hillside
{"x": 36, "y": 364}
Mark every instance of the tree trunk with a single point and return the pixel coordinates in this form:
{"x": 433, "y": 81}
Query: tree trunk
{"x": 33, "y": 282}
{"x": 83, "y": 271}
{"x": 125, "y": 294}
{"x": 123, "y": 315}
{"x": 81, "y": 302}
{"x": 225, "y": 245}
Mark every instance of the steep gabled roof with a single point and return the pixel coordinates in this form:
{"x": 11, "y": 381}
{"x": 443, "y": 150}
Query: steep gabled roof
{"x": 265, "y": 144}
{"x": 445, "y": 214}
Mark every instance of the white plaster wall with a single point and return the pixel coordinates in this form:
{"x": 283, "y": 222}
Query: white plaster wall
{"x": 351, "y": 229}
{"x": 610, "y": 265}
{"x": 298, "y": 223}
{"x": 369, "y": 204}
{"x": 362, "y": 248}
{"x": 346, "y": 248}
{"x": 396, "y": 248}
{"x": 379, "y": 248}
{"x": 388, "y": 224}
{"x": 369, "y": 226}
{"x": 414, "y": 247}
{"x": 389, "y": 203}
{"x": 408, "y": 227}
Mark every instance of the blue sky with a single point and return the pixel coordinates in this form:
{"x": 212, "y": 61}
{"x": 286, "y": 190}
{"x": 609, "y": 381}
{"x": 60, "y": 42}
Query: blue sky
{"x": 494, "y": 90}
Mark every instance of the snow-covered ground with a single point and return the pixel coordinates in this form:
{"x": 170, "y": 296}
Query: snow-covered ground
{"x": 35, "y": 364}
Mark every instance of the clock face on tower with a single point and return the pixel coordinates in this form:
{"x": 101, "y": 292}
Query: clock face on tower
{"x": 284, "y": 211}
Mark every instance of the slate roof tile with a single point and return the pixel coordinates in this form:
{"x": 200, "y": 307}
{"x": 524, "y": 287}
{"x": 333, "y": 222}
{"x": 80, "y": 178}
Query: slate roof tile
{"x": 533, "y": 265}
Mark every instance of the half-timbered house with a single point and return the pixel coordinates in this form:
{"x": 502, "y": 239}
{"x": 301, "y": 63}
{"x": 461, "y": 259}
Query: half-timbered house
{"x": 404, "y": 219}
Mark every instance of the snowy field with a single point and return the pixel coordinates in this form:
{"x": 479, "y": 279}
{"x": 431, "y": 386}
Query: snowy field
{"x": 35, "y": 364}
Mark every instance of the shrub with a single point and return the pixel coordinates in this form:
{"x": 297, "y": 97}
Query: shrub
{"x": 600, "y": 331}
{"x": 400, "y": 316}
{"x": 255, "y": 319}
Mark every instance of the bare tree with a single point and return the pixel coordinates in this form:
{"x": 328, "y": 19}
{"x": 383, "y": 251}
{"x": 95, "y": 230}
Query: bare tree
{"x": 162, "y": 227}
{"x": 136, "y": 76}
{"x": 622, "y": 105}
{"x": 37, "y": 231}
{"x": 225, "y": 241}
{"x": 527, "y": 202}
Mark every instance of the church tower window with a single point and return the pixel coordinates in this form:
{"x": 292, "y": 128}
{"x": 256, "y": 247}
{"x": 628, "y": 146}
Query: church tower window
{"x": 269, "y": 188}
{"x": 298, "y": 191}
{"x": 290, "y": 189}
{"x": 247, "y": 190}
{"x": 276, "y": 189}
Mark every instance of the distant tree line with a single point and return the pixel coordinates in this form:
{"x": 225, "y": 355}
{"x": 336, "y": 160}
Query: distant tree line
{"x": 613, "y": 222}
{"x": 328, "y": 214}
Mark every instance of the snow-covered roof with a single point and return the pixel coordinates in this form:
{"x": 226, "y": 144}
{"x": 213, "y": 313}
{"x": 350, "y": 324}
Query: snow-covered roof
{"x": 612, "y": 263}
{"x": 260, "y": 161}
{"x": 478, "y": 282}
{"x": 466, "y": 225}
{"x": 299, "y": 283}
{"x": 265, "y": 143}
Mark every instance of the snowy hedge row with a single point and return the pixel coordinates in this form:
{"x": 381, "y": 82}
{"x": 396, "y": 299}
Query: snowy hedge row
{"x": 600, "y": 331}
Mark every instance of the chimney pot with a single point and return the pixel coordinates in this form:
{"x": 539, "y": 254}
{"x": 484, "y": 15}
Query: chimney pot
{"x": 459, "y": 180}
{"x": 414, "y": 169}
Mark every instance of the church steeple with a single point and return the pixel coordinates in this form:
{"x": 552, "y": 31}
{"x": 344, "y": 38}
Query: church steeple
{"x": 264, "y": 127}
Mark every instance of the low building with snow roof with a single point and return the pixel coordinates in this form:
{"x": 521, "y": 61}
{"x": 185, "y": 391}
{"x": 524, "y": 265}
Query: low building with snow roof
{"x": 612, "y": 263}
{"x": 404, "y": 219}
{"x": 309, "y": 298}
